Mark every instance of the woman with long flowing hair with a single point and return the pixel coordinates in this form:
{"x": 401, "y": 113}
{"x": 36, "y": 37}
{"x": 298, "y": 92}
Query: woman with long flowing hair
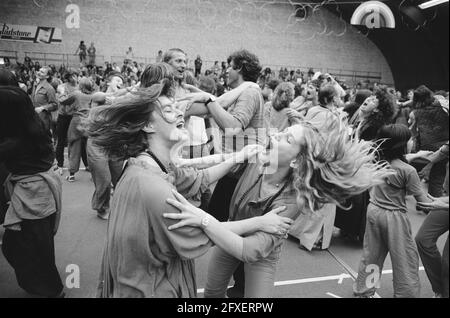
{"x": 302, "y": 170}
{"x": 142, "y": 257}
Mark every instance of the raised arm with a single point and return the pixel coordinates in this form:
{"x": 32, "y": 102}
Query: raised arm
{"x": 230, "y": 97}
{"x": 198, "y": 108}
{"x": 437, "y": 156}
{"x": 246, "y": 153}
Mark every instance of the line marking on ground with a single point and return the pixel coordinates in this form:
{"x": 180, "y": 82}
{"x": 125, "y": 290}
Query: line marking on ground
{"x": 300, "y": 281}
{"x": 333, "y": 295}
{"x": 347, "y": 267}
{"x": 353, "y": 274}
{"x": 339, "y": 278}
{"x": 202, "y": 290}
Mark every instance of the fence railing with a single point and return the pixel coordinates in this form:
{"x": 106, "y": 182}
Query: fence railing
{"x": 12, "y": 55}
{"x": 69, "y": 60}
{"x": 72, "y": 60}
{"x": 139, "y": 59}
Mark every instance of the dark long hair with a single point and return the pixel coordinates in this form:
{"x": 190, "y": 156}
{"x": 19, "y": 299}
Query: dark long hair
{"x": 19, "y": 120}
{"x": 393, "y": 140}
{"x": 423, "y": 97}
{"x": 386, "y": 108}
{"x": 117, "y": 129}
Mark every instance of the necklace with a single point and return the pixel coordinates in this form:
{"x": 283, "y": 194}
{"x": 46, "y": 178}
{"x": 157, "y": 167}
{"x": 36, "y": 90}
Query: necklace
{"x": 158, "y": 162}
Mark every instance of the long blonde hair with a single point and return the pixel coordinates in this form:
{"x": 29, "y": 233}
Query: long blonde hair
{"x": 333, "y": 165}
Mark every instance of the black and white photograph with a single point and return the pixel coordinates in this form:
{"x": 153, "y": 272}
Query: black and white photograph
{"x": 253, "y": 151}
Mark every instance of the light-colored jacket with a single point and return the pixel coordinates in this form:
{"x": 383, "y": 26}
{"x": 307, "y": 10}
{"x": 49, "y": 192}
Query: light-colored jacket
{"x": 32, "y": 197}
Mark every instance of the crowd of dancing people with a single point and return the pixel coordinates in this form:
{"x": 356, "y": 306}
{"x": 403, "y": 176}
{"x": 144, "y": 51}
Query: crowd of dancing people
{"x": 242, "y": 160}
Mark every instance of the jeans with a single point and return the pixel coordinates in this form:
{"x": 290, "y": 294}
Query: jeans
{"x": 388, "y": 232}
{"x": 259, "y": 276}
{"x": 77, "y": 145}
{"x": 62, "y": 126}
{"x": 104, "y": 172}
{"x": 436, "y": 266}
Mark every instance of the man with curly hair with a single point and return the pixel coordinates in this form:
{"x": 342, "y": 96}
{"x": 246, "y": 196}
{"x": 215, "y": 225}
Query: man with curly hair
{"x": 239, "y": 126}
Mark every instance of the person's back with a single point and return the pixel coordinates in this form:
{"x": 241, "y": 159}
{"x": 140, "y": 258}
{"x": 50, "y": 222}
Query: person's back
{"x": 82, "y": 103}
{"x": 276, "y": 111}
{"x": 392, "y": 194}
{"x": 276, "y": 119}
{"x": 432, "y": 125}
{"x": 64, "y": 91}
{"x": 22, "y": 157}
{"x": 388, "y": 229}
{"x": 320, "y": 117}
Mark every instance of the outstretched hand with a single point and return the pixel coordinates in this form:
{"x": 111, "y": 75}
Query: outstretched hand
{"x": 435, "y": 204}
{"x": 248, "y": 152}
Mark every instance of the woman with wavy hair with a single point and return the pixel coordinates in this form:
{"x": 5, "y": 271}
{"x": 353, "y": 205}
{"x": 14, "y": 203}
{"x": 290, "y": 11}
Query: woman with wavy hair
{"x": 377, "y": 110}
{"x": 142, "y": 257}
{"x": 302, "y": 170}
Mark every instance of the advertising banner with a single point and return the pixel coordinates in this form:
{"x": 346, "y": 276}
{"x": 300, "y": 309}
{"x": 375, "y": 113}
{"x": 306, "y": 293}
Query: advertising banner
{"x": 28, "y": 33}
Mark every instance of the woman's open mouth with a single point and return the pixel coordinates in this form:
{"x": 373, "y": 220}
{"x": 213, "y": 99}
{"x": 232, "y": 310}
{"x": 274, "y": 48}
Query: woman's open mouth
{"x": 180, "y": 125}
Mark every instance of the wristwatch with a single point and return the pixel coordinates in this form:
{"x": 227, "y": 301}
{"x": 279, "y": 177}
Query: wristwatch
{"x": 210, "y": 100}
{"x": 205, "y": 221}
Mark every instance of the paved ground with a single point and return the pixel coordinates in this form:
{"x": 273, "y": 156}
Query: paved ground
{"x": 300, "y": 273}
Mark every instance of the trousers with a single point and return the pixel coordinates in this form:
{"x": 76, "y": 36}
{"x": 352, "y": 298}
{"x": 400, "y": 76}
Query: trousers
{"x": 388, "y": 232}
{"x": 435, "y": 264}
{"x": 104, "y": 173}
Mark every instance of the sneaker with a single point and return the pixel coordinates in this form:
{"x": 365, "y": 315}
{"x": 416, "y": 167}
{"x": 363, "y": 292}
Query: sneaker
{"x": 70, "y": 178}
{"x": 104, "y": 215}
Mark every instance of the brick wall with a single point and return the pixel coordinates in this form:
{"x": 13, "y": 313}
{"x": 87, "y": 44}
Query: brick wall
{"x": 211, "y": 28}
